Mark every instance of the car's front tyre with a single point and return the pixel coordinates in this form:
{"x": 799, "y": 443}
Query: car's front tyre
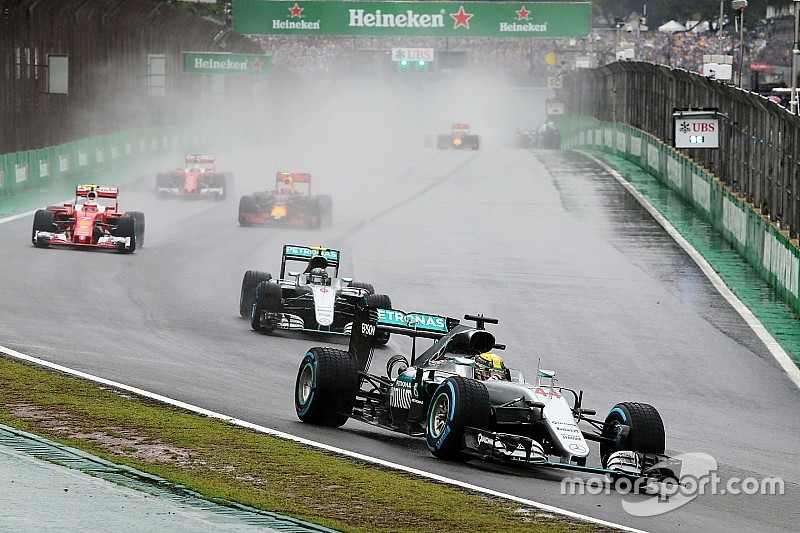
{"x": 457, "y": 403}
{"x": 326, "y": 386}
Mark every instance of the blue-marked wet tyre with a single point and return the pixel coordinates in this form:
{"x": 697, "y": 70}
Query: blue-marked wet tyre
{"x": 380, "y": 301}
{"x": 43, "y": 220}
{"x": 456, "y": 404}
{"x": 267, "y": 307}
{"x": 326, "y": 387}
{"x": 249, "y": 283}
{"x": 644, "y": 433}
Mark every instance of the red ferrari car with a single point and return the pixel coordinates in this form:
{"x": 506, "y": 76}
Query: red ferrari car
{"x": 198, "y": 179}
{"x": 92, "y": 221}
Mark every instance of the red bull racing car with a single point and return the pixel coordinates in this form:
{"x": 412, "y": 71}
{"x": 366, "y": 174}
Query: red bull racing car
{"x": 198, "y": 179}
{"x": 459, "y": 138}
{"x": 290, "y": 204}
{"x": 92, "y": 221}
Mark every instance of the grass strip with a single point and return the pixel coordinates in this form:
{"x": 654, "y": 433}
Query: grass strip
{"x": 224, "y": 462}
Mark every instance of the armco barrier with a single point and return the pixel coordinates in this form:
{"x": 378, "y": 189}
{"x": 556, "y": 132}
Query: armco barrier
{"x": 770, "y": 251}
{"x": 83, "y": 158}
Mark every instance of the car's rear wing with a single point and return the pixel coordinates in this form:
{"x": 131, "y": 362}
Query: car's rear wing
{"x": 368, "y": 321}
{"x": 101, "y": 192}
{"x": 297, "y": 177}
{"x": 307, "y": 254}
{"x": 199, "y": 158}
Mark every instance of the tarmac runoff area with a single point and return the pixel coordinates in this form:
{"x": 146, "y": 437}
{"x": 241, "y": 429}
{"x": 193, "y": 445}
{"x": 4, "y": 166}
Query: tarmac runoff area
{"x": 45, "y": 486}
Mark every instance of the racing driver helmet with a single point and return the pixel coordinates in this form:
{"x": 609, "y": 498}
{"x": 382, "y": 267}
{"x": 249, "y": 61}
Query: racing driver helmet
{"x": 91, "y": 201}
{"x": 318, "y": 276}
{"x": 288, "y": 186}
{"x": 489, "y": 366}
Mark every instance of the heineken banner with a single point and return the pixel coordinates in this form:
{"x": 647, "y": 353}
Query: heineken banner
{"x": 221, "y": 63}
{"x": 443, "y": 19}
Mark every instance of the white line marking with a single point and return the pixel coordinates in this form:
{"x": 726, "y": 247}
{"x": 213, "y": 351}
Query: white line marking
{"x": 17, "y": 217}
{"x": 320, "y": 445}
{"x": 755, "y": 324}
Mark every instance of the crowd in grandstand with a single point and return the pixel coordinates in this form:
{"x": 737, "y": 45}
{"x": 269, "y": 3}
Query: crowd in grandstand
{"x": 325, "y": 57}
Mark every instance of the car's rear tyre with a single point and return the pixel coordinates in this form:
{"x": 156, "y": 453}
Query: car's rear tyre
{"x": 646, "y": 432}
{"x": 444, "y": 141}
{"x": 247, "y": 206}
{"x": 138, "y": 217}
{"x": 250, "y": 281}
{"x": 43, "y": 220}
{"x": 326, "y": 209}
{"x": 363, "y": 285}
{"x": 126, "y": 227}
{"x": 162, "y": 182}
{"x": 267, "y": 300}
{"x": 219, "y": 181}
{"x": 326, "y": 387}
{"x": 380, "y": 301}
{"x": 457, "y": 403}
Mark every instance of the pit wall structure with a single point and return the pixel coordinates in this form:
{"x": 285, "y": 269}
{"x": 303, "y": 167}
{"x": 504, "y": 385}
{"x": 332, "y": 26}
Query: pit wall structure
{"x": 769, "y": 250}
{"x": 87, "y": 158}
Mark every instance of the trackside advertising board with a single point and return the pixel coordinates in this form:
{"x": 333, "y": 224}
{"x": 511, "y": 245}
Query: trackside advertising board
{"x": 223, "y": 63}
{"x": 432, "y": 19}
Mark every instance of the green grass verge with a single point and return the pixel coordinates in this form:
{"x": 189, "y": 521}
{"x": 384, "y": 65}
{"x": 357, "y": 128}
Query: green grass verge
{"x": 226, "y": 462}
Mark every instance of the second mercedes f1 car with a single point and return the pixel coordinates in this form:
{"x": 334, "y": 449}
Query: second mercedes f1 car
{"x": 314, "y": 300}
{"x": 290, "y": 203}
{"x": 465, "y": 402}
{"x": 92, "y": 221}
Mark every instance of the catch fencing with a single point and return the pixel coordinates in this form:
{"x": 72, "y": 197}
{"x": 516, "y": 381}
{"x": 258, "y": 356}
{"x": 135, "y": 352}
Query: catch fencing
{"x": 124, "y": 64}
{"x": 758, "y": 157}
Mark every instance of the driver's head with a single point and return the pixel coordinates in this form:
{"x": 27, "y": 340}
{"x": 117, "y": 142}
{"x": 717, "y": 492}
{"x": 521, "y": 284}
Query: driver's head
{"x": 317, "y": 276}
{"x": 91, "y": 198}
{"x": 489, "y": 366}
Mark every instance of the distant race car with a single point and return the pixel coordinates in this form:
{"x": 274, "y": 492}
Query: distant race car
{"x": 526, "y": 138}
{"x": 459, "y": 138}
{"x": 315, "y": 300}
{"x": 198, "y": 179}
{"x": 290, "y": 203}
{"x": 89, "y": 222}
{"x": 466, "y": 408}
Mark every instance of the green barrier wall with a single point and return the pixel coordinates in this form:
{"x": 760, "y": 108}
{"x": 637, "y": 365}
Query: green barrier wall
{"x": 86, "y": 157}
{"x": 769, "y": 250}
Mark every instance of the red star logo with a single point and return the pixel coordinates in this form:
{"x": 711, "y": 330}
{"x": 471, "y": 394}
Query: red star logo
{"x": 523, "y": 14}
{"x": 296, "y": 11}
{"x": 461, "y": 18}
{"x": 257, "y": 64}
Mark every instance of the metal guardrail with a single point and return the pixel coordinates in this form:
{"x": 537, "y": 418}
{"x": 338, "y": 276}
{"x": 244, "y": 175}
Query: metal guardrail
{"x": 107, "y": 43}
{"x": 759, "y": 153}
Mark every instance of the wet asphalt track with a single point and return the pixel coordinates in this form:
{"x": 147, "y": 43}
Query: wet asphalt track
{"x": 578, "y": 274}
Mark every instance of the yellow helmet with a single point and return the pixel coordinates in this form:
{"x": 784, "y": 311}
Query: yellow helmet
{"x": 489, "y": 366}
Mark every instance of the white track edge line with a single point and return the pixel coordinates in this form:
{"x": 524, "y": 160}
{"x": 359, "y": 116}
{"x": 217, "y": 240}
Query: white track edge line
{"x": 288, "y": 436}
{"x": 774, "y": 347}
{"x": 17, "y": 216}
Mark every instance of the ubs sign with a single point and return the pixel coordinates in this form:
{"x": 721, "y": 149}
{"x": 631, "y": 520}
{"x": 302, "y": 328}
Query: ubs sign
{"x": 695, "y": 128}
